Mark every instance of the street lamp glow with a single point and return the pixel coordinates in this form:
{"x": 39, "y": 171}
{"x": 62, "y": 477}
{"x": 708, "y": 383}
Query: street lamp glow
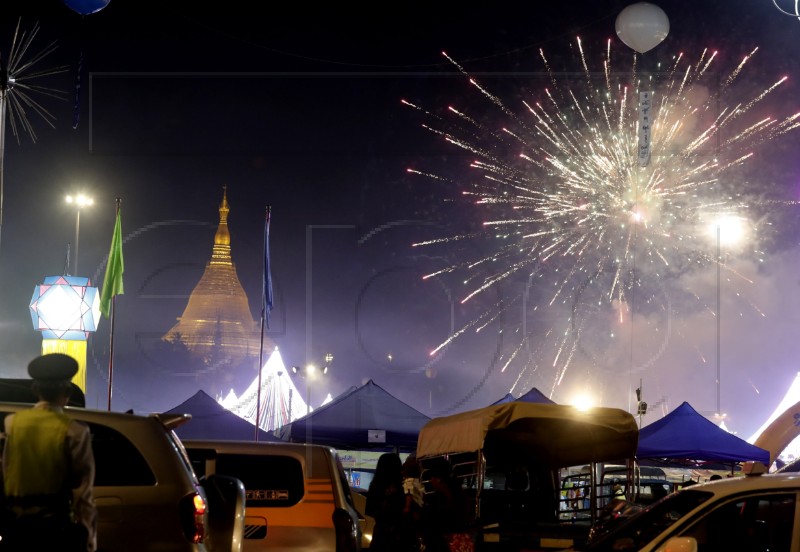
{"x": 729, "y": 228}
{"x": 80, "y": 200}
{"x": 309, "y": 373}
{"x": 583, "y": 402}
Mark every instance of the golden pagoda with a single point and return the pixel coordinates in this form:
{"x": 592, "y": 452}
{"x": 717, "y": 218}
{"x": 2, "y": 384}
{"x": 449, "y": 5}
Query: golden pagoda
{"x": 217, "y": 325}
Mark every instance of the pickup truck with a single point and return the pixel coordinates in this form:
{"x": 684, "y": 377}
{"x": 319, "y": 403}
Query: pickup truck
{"x": 510, "y": 459}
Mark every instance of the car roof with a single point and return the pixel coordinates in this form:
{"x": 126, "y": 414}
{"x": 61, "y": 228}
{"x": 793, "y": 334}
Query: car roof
{"x": 19, "y": 391}
{"x": 746, "y": 483}
{"x": 252, "y": 446}
{"x": 147, "y": 432}
{"x": 171, "y": 421}
{"x": 320, "y": 461}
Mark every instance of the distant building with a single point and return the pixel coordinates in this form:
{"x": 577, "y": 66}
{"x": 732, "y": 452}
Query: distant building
{"x": 217, "y": 327}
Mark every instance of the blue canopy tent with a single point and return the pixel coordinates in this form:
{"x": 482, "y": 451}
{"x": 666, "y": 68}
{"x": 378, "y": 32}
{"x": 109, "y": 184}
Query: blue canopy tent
{"x": 685, "y": 437}
{"x": 211, "y": 420}
{"x": 532, "y": 396}
{"x": 365, "y": 417}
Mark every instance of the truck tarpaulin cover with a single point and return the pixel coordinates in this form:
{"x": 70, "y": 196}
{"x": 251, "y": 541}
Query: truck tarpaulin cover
{"x": 562, "y": 435}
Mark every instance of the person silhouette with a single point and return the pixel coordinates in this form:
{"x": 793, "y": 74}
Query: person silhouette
{"x": 48, "y": 467}
{"x": 414, "y": 501}
{"x": 385, "y": 503}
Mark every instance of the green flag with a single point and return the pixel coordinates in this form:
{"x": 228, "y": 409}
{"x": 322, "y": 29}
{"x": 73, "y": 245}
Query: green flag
{"x": 112, "y": 283}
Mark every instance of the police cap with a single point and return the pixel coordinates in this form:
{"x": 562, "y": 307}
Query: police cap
{"x": 53, "y": 367}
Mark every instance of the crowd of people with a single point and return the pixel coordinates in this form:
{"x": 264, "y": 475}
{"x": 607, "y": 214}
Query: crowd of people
{"x": 407, "y": 519}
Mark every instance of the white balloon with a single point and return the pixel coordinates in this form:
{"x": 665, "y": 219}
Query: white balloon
{"x": 642, "y": 26}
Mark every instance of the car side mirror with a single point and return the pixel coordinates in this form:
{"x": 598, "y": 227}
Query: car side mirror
{"x": 226, "y": 503}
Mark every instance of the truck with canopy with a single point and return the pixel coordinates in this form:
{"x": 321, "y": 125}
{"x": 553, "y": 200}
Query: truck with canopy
{"x": 511, "y": 459}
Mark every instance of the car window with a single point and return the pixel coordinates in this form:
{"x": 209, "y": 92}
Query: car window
{"x": 118, "y": 463}
{"x": 643, "y": 527}
{"x": 181, "y": 453}
{"x": 761, "y": 522}
{"x": 345, "y": 483}
{"x": 269, "y": 481}
{"x": 650, "y": 491}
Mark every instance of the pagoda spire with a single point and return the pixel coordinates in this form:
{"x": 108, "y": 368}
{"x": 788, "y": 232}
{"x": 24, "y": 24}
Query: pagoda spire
{"x": 221, "y": 254}
{"x": 217, "y": 324}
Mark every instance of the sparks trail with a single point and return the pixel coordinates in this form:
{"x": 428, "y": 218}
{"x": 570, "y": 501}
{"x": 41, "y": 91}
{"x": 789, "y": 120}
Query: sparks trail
{"x": 20, "y": 72}
{"x": 566, "y": 201}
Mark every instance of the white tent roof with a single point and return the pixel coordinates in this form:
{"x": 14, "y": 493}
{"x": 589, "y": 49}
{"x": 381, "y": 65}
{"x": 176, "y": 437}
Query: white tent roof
{"x": 279, "y": 400}
{"x": 791, "y": 398}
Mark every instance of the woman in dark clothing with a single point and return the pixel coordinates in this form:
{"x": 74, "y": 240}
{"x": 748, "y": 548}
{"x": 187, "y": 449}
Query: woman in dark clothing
{"x": 385, "y": 503}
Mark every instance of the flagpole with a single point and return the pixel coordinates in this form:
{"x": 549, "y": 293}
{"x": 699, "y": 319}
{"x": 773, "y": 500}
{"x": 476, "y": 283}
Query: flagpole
{"x": 115, "y": 288}
{"x": 111, "y": 350}
{"x": 266, "y": 303}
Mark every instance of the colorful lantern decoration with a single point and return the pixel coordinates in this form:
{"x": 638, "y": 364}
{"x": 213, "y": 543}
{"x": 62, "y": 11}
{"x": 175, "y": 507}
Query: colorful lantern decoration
{"x": 66, "y": 309}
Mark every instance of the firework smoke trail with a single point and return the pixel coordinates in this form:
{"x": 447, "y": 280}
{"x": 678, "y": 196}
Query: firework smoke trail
{"x": 566, "y": 199}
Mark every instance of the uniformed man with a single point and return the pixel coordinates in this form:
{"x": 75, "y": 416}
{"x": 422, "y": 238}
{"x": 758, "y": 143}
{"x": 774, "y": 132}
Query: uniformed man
{"x": 48, "y": 467}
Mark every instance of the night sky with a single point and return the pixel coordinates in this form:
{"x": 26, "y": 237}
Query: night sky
{"x": 300, "y": 108}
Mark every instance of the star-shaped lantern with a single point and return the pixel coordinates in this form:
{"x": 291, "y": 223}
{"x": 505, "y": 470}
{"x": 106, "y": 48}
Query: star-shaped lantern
{"x": 65, "y": 307}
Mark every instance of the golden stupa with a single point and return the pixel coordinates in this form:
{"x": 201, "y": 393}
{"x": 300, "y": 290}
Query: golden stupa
{"x": 217, "y": 325}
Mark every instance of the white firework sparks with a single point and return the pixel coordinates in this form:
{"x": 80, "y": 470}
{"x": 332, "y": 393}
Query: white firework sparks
{"x": 19, "y": 71}
{"x": 566, "y": 200}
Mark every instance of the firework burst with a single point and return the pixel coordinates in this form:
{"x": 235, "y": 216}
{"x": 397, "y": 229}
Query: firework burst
{"x": 570, "y": 208}
{"x": 19, "y": 72}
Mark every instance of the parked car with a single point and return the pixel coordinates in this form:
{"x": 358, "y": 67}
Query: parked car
{"x": 297, "y": 495}
{"x": 367, "y": 522}
{"x": 147, "y": 496}
{"x": 756, "y": 512}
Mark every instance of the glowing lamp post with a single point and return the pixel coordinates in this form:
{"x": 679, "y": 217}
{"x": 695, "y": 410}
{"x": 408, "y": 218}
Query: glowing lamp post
{"x": 728, "y": 230}
{"x": 309, "y": 373}
{"x": 66, "y": 309}
{"x": 79, "y": 201}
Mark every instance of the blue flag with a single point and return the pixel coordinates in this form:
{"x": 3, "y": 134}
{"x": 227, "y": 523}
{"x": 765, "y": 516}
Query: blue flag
{"x": 267, "y": 299}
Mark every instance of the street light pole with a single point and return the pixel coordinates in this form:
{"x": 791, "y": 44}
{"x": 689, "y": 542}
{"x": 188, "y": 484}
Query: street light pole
{"x": 732, "y": 229}
{"x": 719, "y": 316}
{"x": 79, "y": 201}
{"x": 309, "y": 373}
{"x": 77, "y": 235}
{"x": 306, "y": 373}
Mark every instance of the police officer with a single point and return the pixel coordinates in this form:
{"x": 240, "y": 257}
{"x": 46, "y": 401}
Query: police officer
{"x": 48, "y": 467}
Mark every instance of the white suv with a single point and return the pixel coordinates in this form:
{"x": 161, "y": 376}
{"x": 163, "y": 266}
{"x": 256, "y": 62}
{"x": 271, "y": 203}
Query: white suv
{"x": 147, "y": 496}
{"x": 750, "y": 513}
